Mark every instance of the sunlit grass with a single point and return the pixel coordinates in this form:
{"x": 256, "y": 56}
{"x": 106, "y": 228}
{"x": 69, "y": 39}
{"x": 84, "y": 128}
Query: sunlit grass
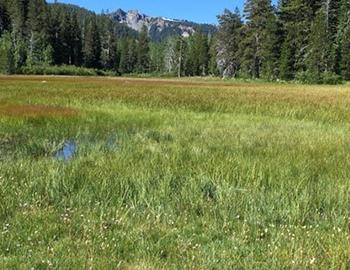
{"x": 173, "y": 174}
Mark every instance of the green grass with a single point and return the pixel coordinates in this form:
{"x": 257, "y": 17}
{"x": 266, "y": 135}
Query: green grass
{"x": 173, "y": 174}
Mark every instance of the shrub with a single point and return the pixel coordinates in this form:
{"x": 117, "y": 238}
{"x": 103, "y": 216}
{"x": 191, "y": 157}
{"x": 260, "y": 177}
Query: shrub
{"x": 323, "y": 78}
{"x": 307, "y": 77}
{"x": 331, "y": 78}
{"x": 63, "y": 70}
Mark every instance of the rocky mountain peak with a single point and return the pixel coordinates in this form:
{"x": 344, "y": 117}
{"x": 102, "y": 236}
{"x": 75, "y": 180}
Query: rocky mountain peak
{"x": 159, "y": 27}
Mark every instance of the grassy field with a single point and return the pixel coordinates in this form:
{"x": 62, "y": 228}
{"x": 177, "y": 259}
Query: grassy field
{"x": 173, "y": 174}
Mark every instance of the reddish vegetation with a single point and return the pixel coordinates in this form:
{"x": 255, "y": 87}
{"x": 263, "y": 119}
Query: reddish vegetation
{"x": 25, "y": 110}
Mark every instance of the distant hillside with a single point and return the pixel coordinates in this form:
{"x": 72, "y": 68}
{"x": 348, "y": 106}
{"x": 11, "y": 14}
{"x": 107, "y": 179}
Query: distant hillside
{"x": 159, "y": 28}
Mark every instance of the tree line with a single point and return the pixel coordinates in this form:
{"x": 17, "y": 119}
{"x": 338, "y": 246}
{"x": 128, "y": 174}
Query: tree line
{"x": 307, "y": 40}
{"x": 34, "y": 33}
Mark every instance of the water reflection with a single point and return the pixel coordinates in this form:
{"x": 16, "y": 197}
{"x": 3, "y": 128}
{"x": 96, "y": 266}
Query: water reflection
{"x": 67, "y": 151}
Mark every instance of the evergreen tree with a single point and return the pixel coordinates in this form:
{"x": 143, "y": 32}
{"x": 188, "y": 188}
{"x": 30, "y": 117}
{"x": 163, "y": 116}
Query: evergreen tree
{"x": 345, "y": 54}
{"x": 55, "y": 33}
{"x": 200, "y": 53}
{"x": 18, "y": 10}
{"x": 6, "y": 54}
{"x": 38, "y": 47}
{"x": 76, "y": 45}
{"x": 259, "y": 15}
{"x": 157, "y": 56}
{"x": 127, "y": 50}
{"x": 332, "y": 11}
{"x": 123, "y": 52}
{"x": 92, "y": 44}
{"x": 132, "y": 56}
{"x": 287, "y": 57}
{"x": 66, "y": 36}
{"x": 296, "y": 17}
{"x": 4, "y": 18}
{"x": 143, "y": 60}
{"x": 228, "y": 43}
{"x": 204, "y": 56}
{"x": 318, "y": 55}
{"x": 213, "y": 61}
{"x": 109, "y": 47}
{"x": 270, "y": 50}
{"x": 18, "y": 14}
{"x": 37, "y": 16}
{"x": 191, "y": 66}
{"x": 343, "y": 22}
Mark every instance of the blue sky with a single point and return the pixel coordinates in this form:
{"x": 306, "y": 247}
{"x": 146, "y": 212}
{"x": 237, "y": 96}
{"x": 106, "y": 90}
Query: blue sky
{"x": 203, "y": 11}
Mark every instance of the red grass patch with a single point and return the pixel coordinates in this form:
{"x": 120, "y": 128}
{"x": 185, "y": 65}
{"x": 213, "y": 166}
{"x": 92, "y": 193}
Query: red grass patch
{"x": 33, "y": 111}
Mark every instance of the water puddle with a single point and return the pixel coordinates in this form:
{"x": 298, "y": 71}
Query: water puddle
{"x": 70, "y": 147}
{"x": 67, "y": 151}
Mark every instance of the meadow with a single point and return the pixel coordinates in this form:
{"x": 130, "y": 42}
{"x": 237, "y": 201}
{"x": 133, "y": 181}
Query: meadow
{"x": 173, "y": 174}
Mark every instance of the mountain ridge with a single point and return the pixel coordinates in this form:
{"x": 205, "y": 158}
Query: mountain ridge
{"x": 159, "y": 28}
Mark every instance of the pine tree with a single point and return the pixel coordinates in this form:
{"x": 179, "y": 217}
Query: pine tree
{"x": 143, "y": 60}
{"x": 66, "y": 36}
{"x": 343, "y": 22}
{"x": 54, "y": 33}
{"x": 191, "y": 67}
{"x": 270, "y": 50}
{"x": 317, "y": 60}
{"x": 92, "y": 44}
{"x": 127, "y": 51}
{"x": 228, "y": 43}
{"x": 132, "y": 56}
{"x": 296, "y": 17}
{"x": 109, "y": 47}
{"x": 4, "y": 18}
{"x": 287, "y": 57}
{"x": 18, "y": 10}
{"x": 123, "y": 56}
{"x": 76, "y": 45}
{"x": 6, "y": 54}
{"x": 332, "y": 10}
{"x": 345, "y": 54}
{"x": 213, "y": 61}
{"x": 157, "y": 56}
{"x": 258, "y": 13}
{"x": 38, "y": 35}
{"x": 201, "y": 53}
{"x": 198, "y": 54}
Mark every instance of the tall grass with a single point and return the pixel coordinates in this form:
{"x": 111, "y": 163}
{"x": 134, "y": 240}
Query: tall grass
{"x": 173, "y": 174}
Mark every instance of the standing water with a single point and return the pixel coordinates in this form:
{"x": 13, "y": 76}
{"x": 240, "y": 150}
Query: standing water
{"x": 67, "y": 151}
